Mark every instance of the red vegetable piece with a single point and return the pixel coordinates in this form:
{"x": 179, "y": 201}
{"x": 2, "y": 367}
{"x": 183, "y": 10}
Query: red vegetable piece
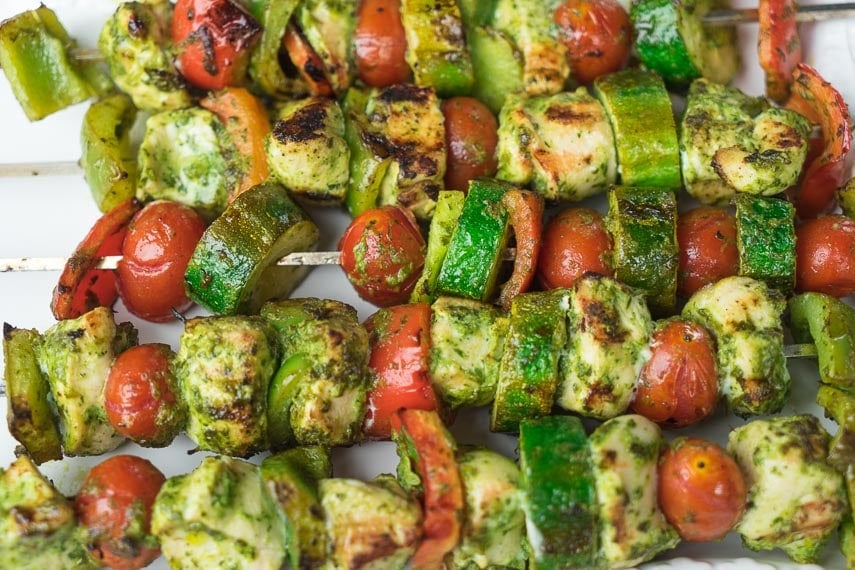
{"x": 380, "y": 43}
{"x": 817, "y": 100}
{"x": 525, "y": 210}
{"x": 470, "y": 137}
{"x": 825, "y": 255}
{"x": 598, "y": 36}
{"x": 575, "y": 242}
{"x": 82, "y": 288}
{"x": 779, "y": 46}
{"x": 308, "y": 63}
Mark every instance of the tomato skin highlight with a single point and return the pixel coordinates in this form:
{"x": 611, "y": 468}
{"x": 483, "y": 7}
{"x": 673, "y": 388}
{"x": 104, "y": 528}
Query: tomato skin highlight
{"x": 140, "y": 396}
{"x": 825, "y": 255}
{"x": 471, "y": 136}
{"x": 155, "y": 253}
{"x": 678, "y": 386}
{"x": 575, "y": 242}
{"x": 702, "y": 490}
{"x": 708, "y": 252}
{"x": 114, "y": 505}
{"x": 380, "y": 44}
{"x": 597, "y": 34}
{"x": 382, "y": 255}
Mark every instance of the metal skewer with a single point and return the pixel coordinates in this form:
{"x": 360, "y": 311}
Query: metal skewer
{"x": 817, "y": 13}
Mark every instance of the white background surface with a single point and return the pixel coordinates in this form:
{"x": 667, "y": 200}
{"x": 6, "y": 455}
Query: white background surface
{"x": 48, "y": 216}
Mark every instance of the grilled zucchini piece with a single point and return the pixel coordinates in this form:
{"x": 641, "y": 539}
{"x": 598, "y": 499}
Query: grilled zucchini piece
{"x": 224, "y": 366}
{"x": 449, "y": 206}
{"x": 328, "y": 26}
{"x": 561, "y": 145}
{"x": 372, "y": 526}
{"x": 264, "y": 67}
{"x": 608, "y": 328}
{"x": 766, "y": 240}
{"x": 220, "y": 515}
{"x": 778, "y": 457}
{"x": 625, "y": 455}
{"x": 75, "y": 355}
{"x": 307, "y": 153}
{"x": 744, "y": 315}
{"x": 497, "y": 65}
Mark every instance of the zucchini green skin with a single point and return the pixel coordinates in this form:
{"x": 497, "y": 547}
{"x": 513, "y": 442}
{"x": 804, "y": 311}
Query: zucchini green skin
{"x": 28, "y": 414}
{"x": 559, "y": 493}
{"x": 497, "y": 66}
{"x": 766, "y": 240}
{"x": 645, "y": 134}
{"x": 328, "y": 26}
{"x": 232, "y": 269}
{"x": 449, "y": 205}
{"x": 829, "y": 323}
{"x": 528, "y": 373}
{"x": 643, "y": 225}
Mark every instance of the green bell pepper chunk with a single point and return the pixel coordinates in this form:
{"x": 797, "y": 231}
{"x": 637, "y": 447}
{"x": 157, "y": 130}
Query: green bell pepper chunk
{"x": 44, "y": 78}
{"x": 846, "y": 198}
{"x": 839, "y": 404}
{"x": 264, "y": 68}
{"x": 829, "y": 323}
{"x": 367, "y": 168}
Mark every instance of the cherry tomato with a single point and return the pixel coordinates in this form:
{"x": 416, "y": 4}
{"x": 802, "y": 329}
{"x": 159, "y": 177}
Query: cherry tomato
{"x": 702, "y": 490}
{"x": 214, "y": 39}
{"x": 307, "y": 61}
{"x": 380, "y": 44}
{"x": 471, "y": 138}
{"x": 114, "y": 505}
{"x": 598, "y": 36}
{"x": 382, "y": 254}
{"x": 678, "y": 386}
{"x": 160, "y": 240}
{"x": 574, "y": 242}
{"x": 141, "y": 398}
{"x": 708, "y": 253}
{"x": 825, "y": 255}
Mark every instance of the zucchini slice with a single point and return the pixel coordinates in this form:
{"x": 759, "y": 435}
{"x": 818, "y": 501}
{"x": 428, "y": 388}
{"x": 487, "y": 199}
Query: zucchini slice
{"x": 766, "y": 240}
{"x": 233, "y": 268}
{"x": 449, "y": 205}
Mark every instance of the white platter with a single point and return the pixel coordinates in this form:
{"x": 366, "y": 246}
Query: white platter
{"x": 48, "y": 216}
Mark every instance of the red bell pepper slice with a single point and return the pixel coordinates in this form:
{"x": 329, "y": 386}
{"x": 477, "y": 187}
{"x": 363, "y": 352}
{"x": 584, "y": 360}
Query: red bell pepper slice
{"x": 432, "y": 449}
{"x": 779, "y": 46}
{"x": 399, "y": 337}
{"x": 82, "y": 288}
{"x": 821, "y": 103}
{"x": 525, "y": 215}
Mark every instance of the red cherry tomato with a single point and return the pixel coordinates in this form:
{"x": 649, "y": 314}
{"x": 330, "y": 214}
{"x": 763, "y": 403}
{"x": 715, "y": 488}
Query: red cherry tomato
{"x": 678, "y": 386}
{"x": 114, "y": 505}
{"x": 825, "y": 255}
{"x": 160, "y": 240}
{"x": 574, "y": 242}
{"x": 380, "y": 44}
{"x": 708, "y": 253}
{"x": 382, "y": 254}
{"x": 214, "y": 39}
{"x": 400, "y": 359}
{"x": 141, "y": 398}
{"x": 702, "y": 490}
{"x": 598, "y": 36}
{"x": 471, "y": 138}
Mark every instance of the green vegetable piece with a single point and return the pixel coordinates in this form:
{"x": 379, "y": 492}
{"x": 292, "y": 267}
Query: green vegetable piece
{"x": 449, "y": 205}
{"x": 643, "y": 225}
{"x": 559, "y": 493}
{"x": 29, "y": 416}
{"x": 839, "y": 404}
{"x": 829, "y": 323}
{"x": 471, "y": 266}
{"x": 292, "y": 478}
{"x": 476, "y": 13}
{"x": 44, "y": 78}
{"x": 367, "y": 167}
{"x": 108, "y": 161}
{"x": 436, "y": 46}
{"x": 639, "y": 109}
{"x": 846, "y": 198}
{"x": 528, "y": 373}
{"x": 497, "y": 66}
{"x": 766, "y": 240}
{"x": 328, "y": 27}
{"x": 264, "y": 68}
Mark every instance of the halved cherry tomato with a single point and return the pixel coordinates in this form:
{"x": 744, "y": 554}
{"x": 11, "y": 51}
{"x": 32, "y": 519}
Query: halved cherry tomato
{"x": 678, "y": 386}
{"x": 155, "y": 253}
{"x": 817, "y": 100}
{"x": 246, "y": 120}
{"x": 214, "y": 39}
{"x": 525, "y": 214}
{"x": 82, "y": 288}
{"x": 433, "y": 458}
{"x": 380, "y": 44}
{"x": 114, "y": 505}
{"x": 708, "y": 252}
{"x": 598, "y": 36}
{"x": 471, "y": 138}
{"x": 778, "y": 45}
{"x": 400, "y": 358}
{"x": 140, "y": 396}
{"x": 825, "y": 255}
{"x": 575, "y": 242}
{"x": 702, "y": 490}
{"x": 308, "y": 63}
{"x": 382, "y": 254}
